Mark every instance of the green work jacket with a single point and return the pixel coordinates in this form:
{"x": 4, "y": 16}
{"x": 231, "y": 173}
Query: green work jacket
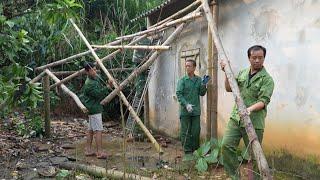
{"x": 258, "y": 89}
{"x": 188, "y": 92}
{"x": 93, "y": 91}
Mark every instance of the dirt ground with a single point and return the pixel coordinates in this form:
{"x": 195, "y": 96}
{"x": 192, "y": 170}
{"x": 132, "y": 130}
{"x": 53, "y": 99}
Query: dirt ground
{"x": 38, "y": 158}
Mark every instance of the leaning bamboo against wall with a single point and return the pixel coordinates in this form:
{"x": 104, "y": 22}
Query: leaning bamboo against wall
{"x": 256, "y": 147}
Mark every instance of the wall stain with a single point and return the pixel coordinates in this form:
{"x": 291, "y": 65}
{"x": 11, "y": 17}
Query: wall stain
{"x": 264, "y": 24}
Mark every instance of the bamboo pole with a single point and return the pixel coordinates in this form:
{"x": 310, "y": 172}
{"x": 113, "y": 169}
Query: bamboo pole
{"x": 142, "y": 68}
{"x": 257, "y": 149}
{"x": 189, "y": 17}
{"x": 37, "y": 78}
{"x": 121, "y": 95}
{"x": 133, "y": 47}
{"x": 113, "y": 54}
{"x": 177, "y": 14}
{"x": 67, "y": 91}
{"x": 62, "y": 61}
{"x": 47, "y": 123}
{"x": 67, "y": 73}
{"x": 101, "y": 172}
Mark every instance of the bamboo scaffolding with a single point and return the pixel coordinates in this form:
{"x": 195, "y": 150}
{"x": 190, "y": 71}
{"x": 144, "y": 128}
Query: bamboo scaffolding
{"x": 67, "y": 91}
{"x": 177, "y": 14}
{"x": 189, "y": 17}
{"x": 62, "y": 61}
{"x": 37, "y": 78}
{"x": 256, "y": 147}
{"x": 121, "y": 95}
{"x": 133, "y": 47}
{"x": 113, "y": 54}
{"x": 142, "y": 68}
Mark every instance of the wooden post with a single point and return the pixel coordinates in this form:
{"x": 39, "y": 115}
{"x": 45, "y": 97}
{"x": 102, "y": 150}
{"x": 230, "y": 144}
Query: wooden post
{"x": 47, "y": 123}
{"x": 121, "y": 95}
{"x": 142, "y": 68}
{"x": 212, "y": 96}
{"x": 256, "y": 147}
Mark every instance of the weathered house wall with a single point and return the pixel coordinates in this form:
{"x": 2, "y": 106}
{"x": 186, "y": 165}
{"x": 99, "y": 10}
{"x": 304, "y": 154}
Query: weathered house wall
{"x": 290, "y": 30}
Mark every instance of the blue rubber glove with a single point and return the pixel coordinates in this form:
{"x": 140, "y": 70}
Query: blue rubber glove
{"x": 205, "y": 79}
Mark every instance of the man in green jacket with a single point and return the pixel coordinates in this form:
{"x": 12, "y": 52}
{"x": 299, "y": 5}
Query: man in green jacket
{"x": 190, "y": 88}
{"x": 256, "y": 87}
{"x": 93, "y": 92}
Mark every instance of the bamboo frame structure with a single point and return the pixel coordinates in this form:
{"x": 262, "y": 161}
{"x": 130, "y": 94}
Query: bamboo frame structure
{"x": 256, "y": 147}
{"x": 121, "y": 95}
{"x": 142, "y": 68}
{"x": 67, "y": 73}
{"x": 113, "y": 54}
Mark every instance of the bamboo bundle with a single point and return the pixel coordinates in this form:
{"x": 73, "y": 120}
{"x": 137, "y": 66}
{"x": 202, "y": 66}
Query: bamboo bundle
{"x": 67, "y": 91}
{"x": 133, "y": 47}
{"x": 121, "y": 95}
{"x": 256, "y": 147}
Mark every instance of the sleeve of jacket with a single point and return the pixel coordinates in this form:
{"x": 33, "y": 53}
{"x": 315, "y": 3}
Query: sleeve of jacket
{"x": 179, "y": 93}
{"x": 266, "y": 91}
{"x": 94, "y": 90}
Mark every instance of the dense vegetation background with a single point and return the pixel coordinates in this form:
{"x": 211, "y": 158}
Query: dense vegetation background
{"x": 37, "y": 32}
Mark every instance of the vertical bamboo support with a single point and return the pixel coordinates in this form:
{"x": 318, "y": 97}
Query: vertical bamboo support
{"x": 47, "y": 123}
{"x": 146, "y": 108}
{"x": 256, "y": 147}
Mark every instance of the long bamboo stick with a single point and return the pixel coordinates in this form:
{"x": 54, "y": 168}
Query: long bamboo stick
{"x": 142, "y": 68}
{"x": 189, "y": 17}
{"x": 67, "y": 91}
{"x": 177, "y": 14}
{"x": 37, "y": 78}
{"x": 256, "y": 147}
{"x": 62, "y": 61}
{"x": 67, "y": 73}
{"x": 133, "y": 47}
{"x": 121, "y": 95}
{"x": 113, "y": 54}
{"x": 101, "y": 172}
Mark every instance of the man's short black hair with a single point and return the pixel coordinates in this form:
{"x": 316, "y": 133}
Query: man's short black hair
{"x": 193, "y": 62}
{"x": 256, "y": 48}
{"x": 88, "y": 65}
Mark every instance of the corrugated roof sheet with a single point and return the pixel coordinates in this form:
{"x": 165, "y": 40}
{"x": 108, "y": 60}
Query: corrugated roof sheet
{"x": 148, "y": 12}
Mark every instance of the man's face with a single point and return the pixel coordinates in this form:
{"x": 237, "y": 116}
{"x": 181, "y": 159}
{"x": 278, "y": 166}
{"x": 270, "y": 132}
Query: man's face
{"x": 92, "y": 72}
{"x": 256, "y": 59}
{"x": 190, "y": 68}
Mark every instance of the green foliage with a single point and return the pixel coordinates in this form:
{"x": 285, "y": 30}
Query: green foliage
{"x": 208, "y": 153}
{"x": 62, "y": 174}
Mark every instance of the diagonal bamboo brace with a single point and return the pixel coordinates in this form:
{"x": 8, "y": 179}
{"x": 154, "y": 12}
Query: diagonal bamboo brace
{"x": 67, "y": 91}
{"x": 121, "y": 95}
{"x": 144, "y": 67}
{"x": 256, "y": 147}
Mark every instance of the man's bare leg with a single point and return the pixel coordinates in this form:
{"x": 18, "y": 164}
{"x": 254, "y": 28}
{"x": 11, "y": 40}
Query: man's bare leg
{"x": 89, "y": 151}
{"x": 100, "y": 153}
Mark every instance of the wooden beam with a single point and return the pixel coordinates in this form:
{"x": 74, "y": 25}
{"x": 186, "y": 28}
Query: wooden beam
{"x": 133, "y": 47}
{"x": 67, "y": 91}
{"x": 256, "y": 147}
{"x": 121, "y": 95}
{"x": 108, "y": 57}
{"x": 37, "y": 78}
{"x": 144, "y": 67}
{"x": 184, "y": 19}
{"x": 67, "y": 73}
{"x": 46, "y": 97}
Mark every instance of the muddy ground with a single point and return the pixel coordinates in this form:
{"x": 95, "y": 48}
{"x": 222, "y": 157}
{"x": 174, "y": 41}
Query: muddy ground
{"x": 39, "y": 158}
